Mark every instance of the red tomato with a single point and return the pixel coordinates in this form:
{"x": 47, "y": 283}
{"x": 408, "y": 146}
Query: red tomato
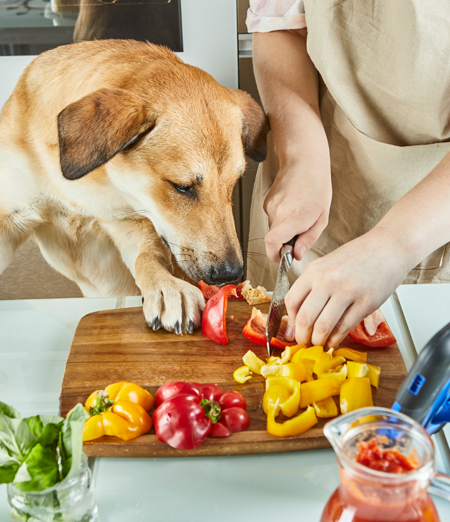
{"x": 235, "y": 419}
{"x": 232, "y": 398}
{"x": 381, "y": 338}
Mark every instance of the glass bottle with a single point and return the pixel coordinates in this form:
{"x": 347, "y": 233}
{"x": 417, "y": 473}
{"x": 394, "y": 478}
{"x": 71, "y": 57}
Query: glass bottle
{"x": 367, "y": 495}
{"x": 71, "y": 500}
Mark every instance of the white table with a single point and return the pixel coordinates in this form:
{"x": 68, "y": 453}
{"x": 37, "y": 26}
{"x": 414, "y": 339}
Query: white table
{"x": 35, "y": 337}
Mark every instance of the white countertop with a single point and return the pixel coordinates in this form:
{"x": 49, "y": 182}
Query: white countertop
{"x": 35, "y": 337}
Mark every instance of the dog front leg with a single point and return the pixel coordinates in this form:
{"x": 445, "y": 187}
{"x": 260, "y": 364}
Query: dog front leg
{"x": 13, "y": 232}
{"x": 169, "y": 302}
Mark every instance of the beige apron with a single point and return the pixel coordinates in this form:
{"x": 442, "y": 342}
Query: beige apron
{"x": 385, "y": 106}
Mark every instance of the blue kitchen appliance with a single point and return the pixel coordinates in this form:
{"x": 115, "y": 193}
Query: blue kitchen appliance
{"x": 425, "y": 393}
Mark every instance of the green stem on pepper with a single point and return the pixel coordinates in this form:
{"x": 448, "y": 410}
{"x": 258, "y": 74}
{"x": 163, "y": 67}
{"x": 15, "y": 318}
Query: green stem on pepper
{"x": 212, "y": 409}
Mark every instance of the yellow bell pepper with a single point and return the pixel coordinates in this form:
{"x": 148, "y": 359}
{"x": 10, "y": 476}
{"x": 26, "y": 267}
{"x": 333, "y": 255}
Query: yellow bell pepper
{"x": 339, "y": 374}
{"x": 355, "y": 393}
{"x": 357, "y": 369}
{"x": 288, "y": 403}
{"x": 308, "y": 353}
{"x": 374, "y": 375}
{"x": 326, "y": 408}
{"x": 294, "y": 426}
{"x": 242, "y": 374}
{"x": 351, "y": 355}
{"x": 318, "y": 390}
{"x": 120, "y": 410}
{"x": 253, "y": 362}
{"x": 295, "y": 371}
{"x": 326, "y": 362}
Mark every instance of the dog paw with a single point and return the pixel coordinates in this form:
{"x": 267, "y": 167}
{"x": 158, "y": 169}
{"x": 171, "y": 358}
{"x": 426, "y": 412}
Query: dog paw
{"x": 174, "y": 305}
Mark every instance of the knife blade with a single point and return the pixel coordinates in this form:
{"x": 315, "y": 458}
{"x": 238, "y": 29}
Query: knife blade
{"x": 277, "y": 307}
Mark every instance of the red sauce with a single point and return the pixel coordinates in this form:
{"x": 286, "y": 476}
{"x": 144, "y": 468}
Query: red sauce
{"x": 375, "y": 457}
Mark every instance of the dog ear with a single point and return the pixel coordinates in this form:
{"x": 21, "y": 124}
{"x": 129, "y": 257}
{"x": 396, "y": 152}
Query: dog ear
{"x": 255, "y": 126}
{"x": 94, "y": 129}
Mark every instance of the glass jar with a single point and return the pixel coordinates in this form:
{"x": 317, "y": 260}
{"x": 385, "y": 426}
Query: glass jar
{"x": 69, "y": 501}
{"x": 367, "y": 495}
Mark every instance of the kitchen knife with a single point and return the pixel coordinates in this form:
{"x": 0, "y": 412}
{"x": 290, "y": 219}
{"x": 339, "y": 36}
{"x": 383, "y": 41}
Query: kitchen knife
{"x": 277, "y": 308}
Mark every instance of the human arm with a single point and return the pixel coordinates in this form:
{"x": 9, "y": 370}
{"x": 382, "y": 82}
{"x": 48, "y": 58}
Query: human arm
{"x": 337, "y": 291}
{"x": 299, "y": 199}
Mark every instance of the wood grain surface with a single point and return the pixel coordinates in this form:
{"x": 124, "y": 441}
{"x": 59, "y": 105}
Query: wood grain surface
{"x": 117, "y": 345}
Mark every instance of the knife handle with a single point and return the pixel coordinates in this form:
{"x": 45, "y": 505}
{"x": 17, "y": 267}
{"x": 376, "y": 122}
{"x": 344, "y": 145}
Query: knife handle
{"x": 288, "y": 247}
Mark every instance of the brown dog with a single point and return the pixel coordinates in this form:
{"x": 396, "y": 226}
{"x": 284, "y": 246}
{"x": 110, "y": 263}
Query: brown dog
{"x": 117, "y": 157}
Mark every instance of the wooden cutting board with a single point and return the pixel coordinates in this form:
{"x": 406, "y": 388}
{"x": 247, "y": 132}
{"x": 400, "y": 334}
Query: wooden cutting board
{"x": 117, "y": 345}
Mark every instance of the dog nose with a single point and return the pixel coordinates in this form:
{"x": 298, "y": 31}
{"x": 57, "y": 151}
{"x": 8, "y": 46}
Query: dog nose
{"x": 227, "y": 272}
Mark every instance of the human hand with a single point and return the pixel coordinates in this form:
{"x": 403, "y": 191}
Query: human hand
{"x": 339, "y": 290}
{"x": 298, "y": 203}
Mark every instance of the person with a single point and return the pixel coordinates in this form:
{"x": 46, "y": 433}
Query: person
{"x": 358, "y": 99}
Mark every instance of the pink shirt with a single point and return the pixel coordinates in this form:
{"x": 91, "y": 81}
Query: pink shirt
{"x": 275, "y": 15}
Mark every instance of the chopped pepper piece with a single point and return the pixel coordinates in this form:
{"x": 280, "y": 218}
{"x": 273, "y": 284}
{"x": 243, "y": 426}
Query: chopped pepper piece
{"x": 120, "y": 411}
{"x": 374, "y": 375}
{"x": 253, "y": 362}
{"x": 288, "y": 406}
{"x": 351, "y": 355}
{"x": 318, "y": 390}
{"x": 291, "y": 427}
{"x": 242, "y": 374}
{"x": 214, "y": 318}
{"x": 326, "y": 408}
{"x": 356, "y": 369}
{"x": 255, "y": 327}
{"x": 339, "y": 374}
{"x": 310, "y": 353}
{"x": 355, "y": 393}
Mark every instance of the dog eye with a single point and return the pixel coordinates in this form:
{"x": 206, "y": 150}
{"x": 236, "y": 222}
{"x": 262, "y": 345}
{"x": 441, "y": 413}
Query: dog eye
{"x": 186, "y": 190}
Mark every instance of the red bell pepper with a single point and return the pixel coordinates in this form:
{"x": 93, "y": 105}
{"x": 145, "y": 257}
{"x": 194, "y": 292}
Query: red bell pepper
{"x": 373, "y": 331}
{"x": 209, "y": 290}
{"x": 215, "y": 315}
{"x": 255, "y": 330}
{"x": 186, "y": 416}
{"x": 255, "y": 327}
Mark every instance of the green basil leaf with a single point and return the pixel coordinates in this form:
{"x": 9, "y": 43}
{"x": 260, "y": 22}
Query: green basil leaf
{"x": 9, "y": 411}
{"x": 35, "y": 425}
{"x": 8, "y": 428}
{"x": 5, "y": 454}
{"x": 51, "y": 419}
{"x": 42, "y": 467}
{"x": 49, "y": 435}
{"x": 71, "y": 441}
{"x": 8, "y": 470}
{"x": 24, "y": 437}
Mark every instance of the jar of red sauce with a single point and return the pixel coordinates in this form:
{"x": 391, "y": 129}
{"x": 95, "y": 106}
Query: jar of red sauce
{"x": 390, "y": 483}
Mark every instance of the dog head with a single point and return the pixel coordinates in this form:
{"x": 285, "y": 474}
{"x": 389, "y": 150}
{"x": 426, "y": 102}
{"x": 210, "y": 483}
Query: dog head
{"x": 173, "y": 143}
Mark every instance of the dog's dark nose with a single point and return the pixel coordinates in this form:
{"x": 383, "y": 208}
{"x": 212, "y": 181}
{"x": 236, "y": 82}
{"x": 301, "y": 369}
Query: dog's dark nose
{"x": 227, "y": 272}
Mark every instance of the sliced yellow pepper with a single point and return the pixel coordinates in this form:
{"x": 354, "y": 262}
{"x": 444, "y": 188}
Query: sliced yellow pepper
{"x": 351, "y": 355}
{"x": 357, "y": 369}
{"x": 339, "y": 374}
{"x": 120, "y": 410}
{"x": 355, "y": 393}
{"x": 296, "y": 371}
{"x": 318, "y": 390}
{"x": 276, "y": 393}
{"x": 291, "y": 427}
{"x": 289, "y": 405}
{"x": 326, "y": 408}
{"x": 286, "y": 355}
{"x": 374, "y": 375}
{"x": 308, "y": 353}
{"x": 296, "y": 348}
{"x": 253, "y": 362}
{"x": 273, "y": 360}
{"x": 242, "y": 374}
